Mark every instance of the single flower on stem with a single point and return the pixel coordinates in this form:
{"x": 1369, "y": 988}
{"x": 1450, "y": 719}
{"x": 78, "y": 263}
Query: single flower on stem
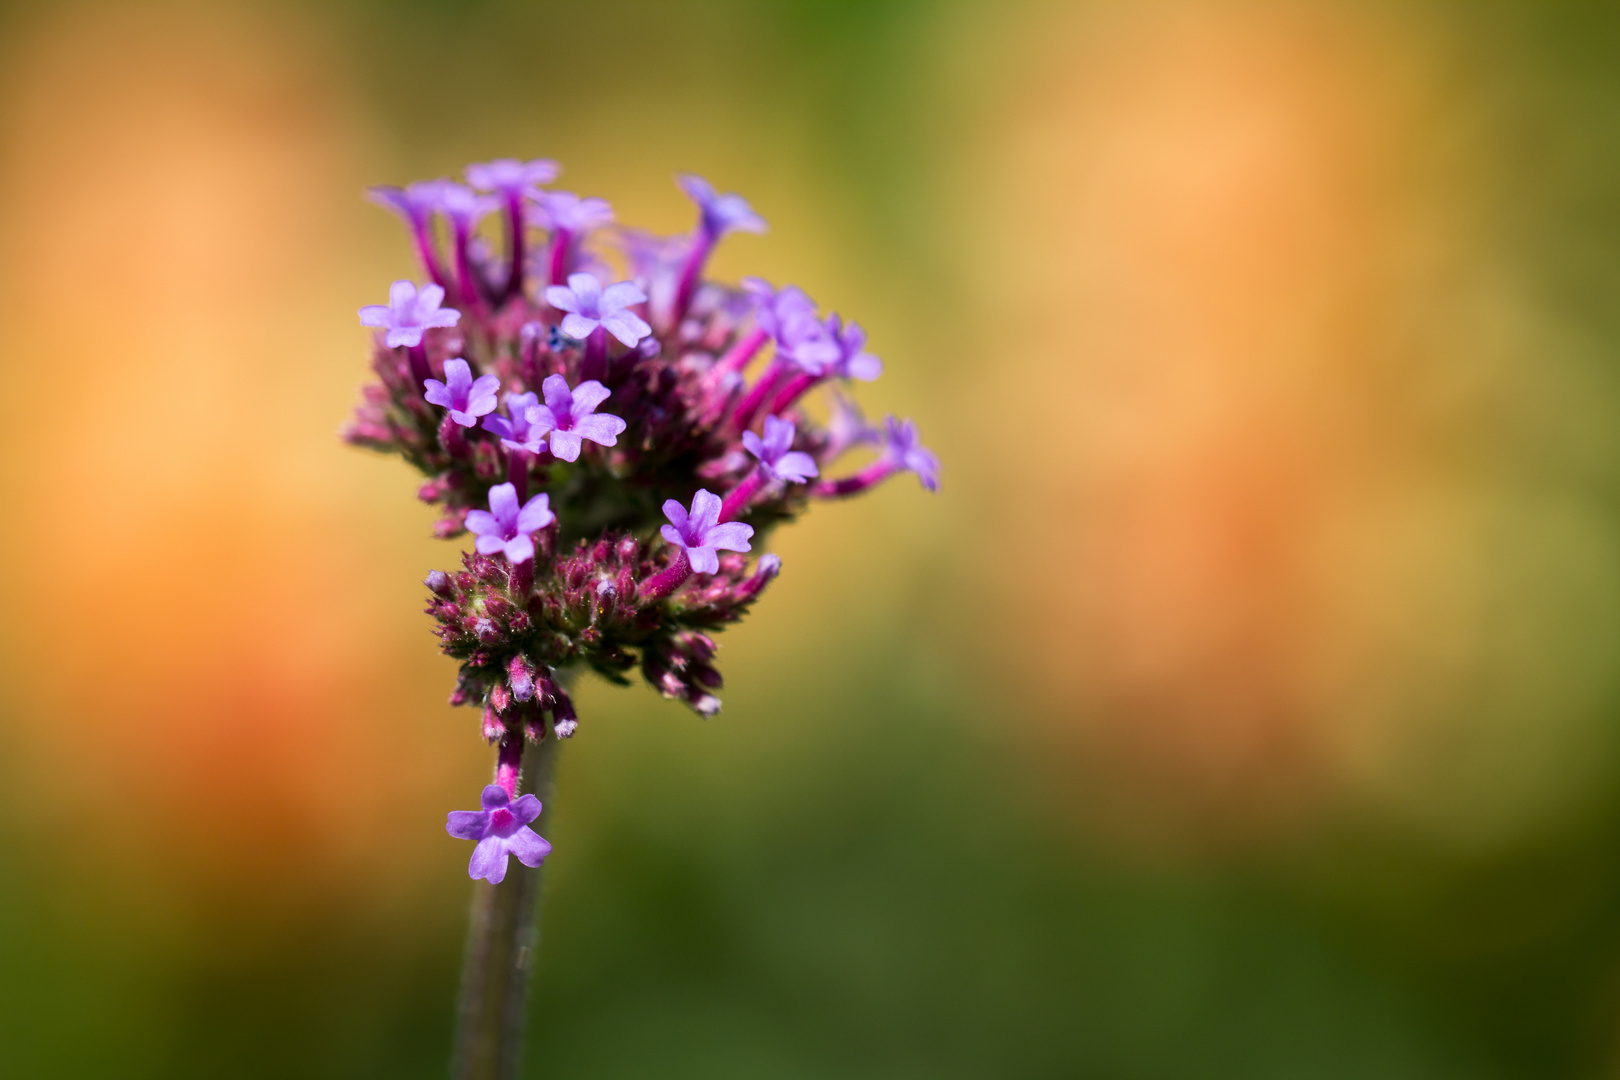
{"x": 466, "y": 398}
{"x": 510, "y": 178}
{"x": 902, "y": 452}
{"x": 589, "y": 307}
{"x": 409, "y": 313}
{"x": 505, "y": 529}
{"x": 516, "y": 430}
{"x": 416, "y": 203}
{"x": 717, "y": 215}
{"x": 699, "y": 534}
{"x": 777, "y": 459}
{"x": 500, "y": 829}
{"x": 569, "y": 416}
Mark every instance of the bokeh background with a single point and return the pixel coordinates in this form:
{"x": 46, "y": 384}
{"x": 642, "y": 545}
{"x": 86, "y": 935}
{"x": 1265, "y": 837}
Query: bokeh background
{"x": 1245, "y": 705}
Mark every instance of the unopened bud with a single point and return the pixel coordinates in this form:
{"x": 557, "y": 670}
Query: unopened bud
{"x": 500, "y": 698}
{"x": 438, "y": 583}
{"x": 520, "y": 673}
{"x": 493, "y": 728}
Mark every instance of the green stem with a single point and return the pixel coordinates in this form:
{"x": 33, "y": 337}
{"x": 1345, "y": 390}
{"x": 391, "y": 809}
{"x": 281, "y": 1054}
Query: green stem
{"x": 503, "y": 939}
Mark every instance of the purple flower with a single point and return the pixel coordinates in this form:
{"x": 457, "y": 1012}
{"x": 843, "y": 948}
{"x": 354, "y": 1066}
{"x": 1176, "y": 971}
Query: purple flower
{"x": 504, "y": 528}
{"x": 902, "y": 450}
{"x": 789, "y": 316}
{"x": 589, "y": 306}
{"x": 408, "y": 313}
{"x": 516, "y": 430}
{"x": 467, "y": 400}
{"x": 510, "y": 174}
{"x": 698, "y": 533}
{"x": 565, "y": 210}
{"x": 847, "y": 426}
{"x": 413, "y": 203}
{"x": 775, "y": 458}
{"x": 568, "y": 416}
{"x": 501, "y": 828}
{"x": 462, "y": 205}
{"x": 853, "y": 362}
{"x": 721, "y": 213}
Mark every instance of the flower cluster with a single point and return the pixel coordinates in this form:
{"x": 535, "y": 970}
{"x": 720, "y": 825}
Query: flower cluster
{"x": 616, "y": 440}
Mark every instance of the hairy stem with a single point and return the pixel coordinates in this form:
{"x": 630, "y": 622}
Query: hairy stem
{"x": 503, "y": 939}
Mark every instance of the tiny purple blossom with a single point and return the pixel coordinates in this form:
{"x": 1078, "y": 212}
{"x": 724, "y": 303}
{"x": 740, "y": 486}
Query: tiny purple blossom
{"x": 510, "y": 174}
{"x": 409, "y": 312}
{"x": 853, "y": 361}
{"x": 506, "y": 529}
{"x": 847, "y": 426}
{"x": 515, "y": 429}
{"x": 698, "y": 534}
{"x": 569, "y": 416}
{"x": 414, "y": 202}
{"x": 565, "y": 210}
{"x": 901, "y": 448}
{"x": 466, "y": 399}
{"x": 589, "y": 305}
{"x": 775, "y": 456}
{"x": 500, "y": 829}
{"x": 462, "y": 205}
{"x": 721, "y": 213}
{"x": 789, "y": 317}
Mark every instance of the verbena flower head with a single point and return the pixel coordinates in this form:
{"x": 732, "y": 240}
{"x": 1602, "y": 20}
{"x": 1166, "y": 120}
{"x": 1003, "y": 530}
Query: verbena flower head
{"x": 588, "y": 306}
{"x": 500, "y": 829}
{"x": 700, "y": 534}
{"x": 505, "y": 528}
{"x": 569, "y": 416}
{"x": 611, "y": 541}
{"x": 775, "y": 453}
{"x": 466, "y": 398}
{"x": 409, "y": 313}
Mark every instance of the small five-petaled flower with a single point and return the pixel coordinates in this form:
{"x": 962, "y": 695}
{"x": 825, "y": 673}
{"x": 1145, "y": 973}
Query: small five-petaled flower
{"x": 699, "y": 534}
{"x": 408, "y": 313}
{"x": 500, "y": 829}
{"x": 466, "y": 398}
{"x": 505, "y": 528}
{"x": 776, "y": 459}
{"x": 589, "y": 305}
{"x": 568, "y": 416}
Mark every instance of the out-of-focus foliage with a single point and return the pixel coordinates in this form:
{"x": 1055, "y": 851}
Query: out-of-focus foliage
{"x": 1244, "y": 705}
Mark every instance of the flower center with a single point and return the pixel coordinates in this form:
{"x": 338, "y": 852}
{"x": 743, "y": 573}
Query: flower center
{"x": 500, "y": 820}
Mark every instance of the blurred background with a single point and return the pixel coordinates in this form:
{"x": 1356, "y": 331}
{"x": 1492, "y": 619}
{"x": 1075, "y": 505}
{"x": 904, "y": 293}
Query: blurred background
{"x": 1245, "y": 705}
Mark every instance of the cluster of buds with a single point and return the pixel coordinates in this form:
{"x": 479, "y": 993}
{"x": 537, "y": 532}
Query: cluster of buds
{"x": 614, "y": 429}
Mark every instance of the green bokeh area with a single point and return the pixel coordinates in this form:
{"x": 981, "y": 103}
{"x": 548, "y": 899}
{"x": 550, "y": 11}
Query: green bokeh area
{"x": 851, "y": 872}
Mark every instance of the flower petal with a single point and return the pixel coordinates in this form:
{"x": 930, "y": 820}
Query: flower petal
{"x": 602, "y": 428}
{"x": 488, "y": 860}
{"x": 587, "y": 396}
{"x": 704, "y": 559}
{"x": 672, "y": 534}
{"x": 705, "y": 512}
{"x": 529, "y": 846}
{"x": 482, "y": 523}
{"x": 519, "y": 549}
{"x": 622, "y": 295}
{"x": 466, "y": 824}
{"x": 489, "y": 544}
{"x": 558, "y": 398}
{"x": 796, "y": 465}
{"x": 627, "y": 326}
{"x": 525, "y": 808}
{"x": 565, "y": 444}
{"x": 562, "y": 298}
{"x": 536, "y": 514}
{"x": 503, "y": 503}
{"x": 733, "y": 536}
{"x": 578, "y": 326}
{"x": 493, "y": 797}
{"x": 436, "y": 393}
{"x": 675, "y": 512}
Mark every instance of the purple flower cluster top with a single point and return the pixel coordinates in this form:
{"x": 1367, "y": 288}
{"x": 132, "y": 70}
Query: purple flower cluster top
{"x": 617, "y": 432}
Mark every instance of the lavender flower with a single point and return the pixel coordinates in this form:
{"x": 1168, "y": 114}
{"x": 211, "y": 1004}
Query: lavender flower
{"x": 567, "y": 211}
{"x": 699, "y": 533}
{"x": 847, "y": 426}
{"x": 501, "y": 828}
{"x": 466, "y": 399}
{"x": 462, "y": 205}
{"x": 505, "y": 528}
{"x": 511, "y": 175}
{"x": 721, "y": 213}
{"x": 516, "y": 430}
{"x": 409, "y": 312}
{"x": 567, "y": 416}
{"x": 589, "y": 306}
{"x": 853, "y": 361}
{"x": 776, "y": 459}
{"x": 902, "y": 449}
